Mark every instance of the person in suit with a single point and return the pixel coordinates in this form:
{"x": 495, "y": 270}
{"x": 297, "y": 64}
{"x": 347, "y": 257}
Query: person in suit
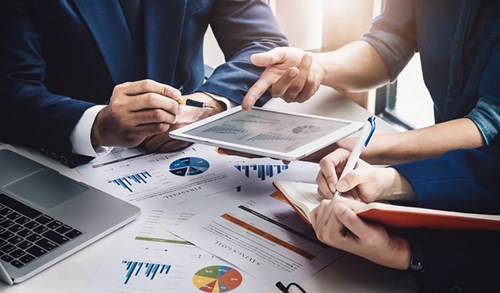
{"x": 459, "y": 48}
{"x": 78, "y": 76}
{"x": 442, "y": 260}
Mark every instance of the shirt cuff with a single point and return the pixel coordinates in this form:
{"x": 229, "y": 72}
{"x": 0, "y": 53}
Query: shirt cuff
{"x": 487, "y": 118}
{"x": 81, "y": 135}
{"x": 229, "y": 104}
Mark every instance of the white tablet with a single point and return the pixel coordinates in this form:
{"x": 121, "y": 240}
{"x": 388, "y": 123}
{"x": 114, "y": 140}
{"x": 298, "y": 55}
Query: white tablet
{"x": 270, "y": 133}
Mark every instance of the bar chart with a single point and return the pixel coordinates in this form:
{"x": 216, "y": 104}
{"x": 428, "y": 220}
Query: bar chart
{"x": 263, "y": 171}
{"x": 128, "y": 181}
{"x": 149, "y": 270}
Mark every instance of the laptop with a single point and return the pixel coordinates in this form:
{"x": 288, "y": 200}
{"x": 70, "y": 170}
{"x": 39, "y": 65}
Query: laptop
{"x": 46, "y": 216}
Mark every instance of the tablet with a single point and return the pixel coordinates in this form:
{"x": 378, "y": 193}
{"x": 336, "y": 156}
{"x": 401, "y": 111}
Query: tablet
{"x": 265, "y": 132}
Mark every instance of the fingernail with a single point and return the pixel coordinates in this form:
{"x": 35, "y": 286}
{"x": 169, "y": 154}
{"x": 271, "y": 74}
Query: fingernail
{"x": 339, "y": 209}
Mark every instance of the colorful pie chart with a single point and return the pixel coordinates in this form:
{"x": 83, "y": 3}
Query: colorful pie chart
{"x": 189, "y": 166}
{"x": 217, "y": 279}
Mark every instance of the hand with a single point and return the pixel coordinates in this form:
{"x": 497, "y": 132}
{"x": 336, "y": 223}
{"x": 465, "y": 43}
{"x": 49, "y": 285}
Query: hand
{"x": 365, "y": 182}
{"x": 187, "y": 115}
{"x": 337, "y": 225}
{"x": 136, "y": 110}
{"x": 290, "y": 73}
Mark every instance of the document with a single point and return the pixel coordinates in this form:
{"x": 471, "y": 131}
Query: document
{"x": 258, "y": 232}
{"x": 304, "y": 198}
{"x": 163, "y": 177}
{"x": 146, "y": 258}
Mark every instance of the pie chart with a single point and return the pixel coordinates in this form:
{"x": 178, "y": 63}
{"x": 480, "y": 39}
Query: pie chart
{"x": 217, "y": 279}
{"x": 306, "y": 129}
{"x": 189, "y": 166}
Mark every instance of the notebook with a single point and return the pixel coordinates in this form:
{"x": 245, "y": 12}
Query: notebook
{"x": 303, "y": 197}
{"x": 46, "y": 216}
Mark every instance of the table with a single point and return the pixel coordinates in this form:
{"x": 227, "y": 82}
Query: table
{"x": 348, "y": 274}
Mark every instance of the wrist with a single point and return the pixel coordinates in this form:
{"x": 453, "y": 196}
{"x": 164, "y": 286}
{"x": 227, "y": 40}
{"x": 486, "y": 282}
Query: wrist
{"x": 397, "y": 188}
{"x": 97, "y": 133}
{"x": 400, "y": 257}
{"x": 219, "y": 106}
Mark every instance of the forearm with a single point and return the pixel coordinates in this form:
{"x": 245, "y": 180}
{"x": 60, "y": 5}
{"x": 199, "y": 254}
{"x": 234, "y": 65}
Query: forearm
{"x": 228, "y": 20}
{"x": 355, "y": 67}
{"x": 421, "y": 143}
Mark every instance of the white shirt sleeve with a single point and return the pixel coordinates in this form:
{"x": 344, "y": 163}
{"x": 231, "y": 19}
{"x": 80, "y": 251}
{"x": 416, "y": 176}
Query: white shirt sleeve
{"x": 81, "y": 135}
{"x": 229, "y": 104}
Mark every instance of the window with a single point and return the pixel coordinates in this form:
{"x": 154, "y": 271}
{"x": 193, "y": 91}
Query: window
{"x": 406, "y": 103}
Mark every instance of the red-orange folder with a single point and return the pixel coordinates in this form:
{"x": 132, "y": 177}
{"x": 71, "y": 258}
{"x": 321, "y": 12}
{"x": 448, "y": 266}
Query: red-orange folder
{"x": 303, "y": 197}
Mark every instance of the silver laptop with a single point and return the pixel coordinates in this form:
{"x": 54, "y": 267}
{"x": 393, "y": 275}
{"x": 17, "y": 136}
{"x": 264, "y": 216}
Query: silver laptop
{"x": 45, "y": 216}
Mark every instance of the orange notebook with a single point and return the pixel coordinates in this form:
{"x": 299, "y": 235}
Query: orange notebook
{"x": 303, "y": 197}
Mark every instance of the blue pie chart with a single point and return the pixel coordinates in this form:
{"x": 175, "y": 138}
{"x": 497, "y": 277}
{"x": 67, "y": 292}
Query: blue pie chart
{"x": 189, "y": 166}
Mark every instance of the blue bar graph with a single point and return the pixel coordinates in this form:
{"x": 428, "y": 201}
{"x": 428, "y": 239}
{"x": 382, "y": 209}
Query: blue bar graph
{"x": 133, "y": 269}
{"x": 263, "y": 171}
{"x": 128, "y": 181}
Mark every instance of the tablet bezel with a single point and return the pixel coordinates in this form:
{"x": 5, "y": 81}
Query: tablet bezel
{"x": 296, "y": 154}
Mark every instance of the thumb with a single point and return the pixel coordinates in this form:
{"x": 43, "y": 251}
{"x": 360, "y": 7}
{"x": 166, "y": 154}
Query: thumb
{"x": 350, "y": 220}
{"x": 271, "y": 57}
{"x": 352, "y": 179}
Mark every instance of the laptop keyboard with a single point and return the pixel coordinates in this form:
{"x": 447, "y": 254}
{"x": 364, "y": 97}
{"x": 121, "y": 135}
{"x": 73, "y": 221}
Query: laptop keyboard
{"x": 26, "y": 234}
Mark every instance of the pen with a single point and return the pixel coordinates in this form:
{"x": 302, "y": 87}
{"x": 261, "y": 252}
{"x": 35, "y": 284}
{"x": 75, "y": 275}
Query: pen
{"x": 361, "y": 144}
{"x": 194, "y": 103}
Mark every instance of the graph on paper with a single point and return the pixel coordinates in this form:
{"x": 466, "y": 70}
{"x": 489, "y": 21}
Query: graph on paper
{"x": 189, "y": 166}
{"x": 217, "y": 279}
{"x": 262, "y": 171}
{"x": 147, "y": 270}
{"x": 128, "y": 182}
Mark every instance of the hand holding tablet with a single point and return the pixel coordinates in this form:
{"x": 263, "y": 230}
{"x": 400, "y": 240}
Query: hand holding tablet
{"x": 270, "y": 133}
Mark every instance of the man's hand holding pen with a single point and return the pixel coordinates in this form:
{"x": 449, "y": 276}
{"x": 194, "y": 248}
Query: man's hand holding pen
{"x": 144, "y": 112}
{"x": 192, "y": 108}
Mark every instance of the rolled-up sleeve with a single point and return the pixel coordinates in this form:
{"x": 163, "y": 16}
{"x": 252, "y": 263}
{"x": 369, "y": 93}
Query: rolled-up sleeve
{"x": 486, "y": 113}
{"x": 393, "y": 35}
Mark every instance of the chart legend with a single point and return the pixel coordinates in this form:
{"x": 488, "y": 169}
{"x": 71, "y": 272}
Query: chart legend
{"x": 217, "y": 279}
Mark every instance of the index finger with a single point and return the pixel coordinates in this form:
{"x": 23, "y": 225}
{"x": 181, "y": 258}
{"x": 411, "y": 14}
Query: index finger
{"x": 256, "y": 91}
{"x": 328, "y": 167}
{"x": 150, "y": 86}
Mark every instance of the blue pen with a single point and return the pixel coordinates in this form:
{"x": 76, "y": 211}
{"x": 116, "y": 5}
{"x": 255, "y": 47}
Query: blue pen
{"x": 361, "y": 144}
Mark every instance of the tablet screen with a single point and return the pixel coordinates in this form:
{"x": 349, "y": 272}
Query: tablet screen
{"x": 280, "y": 132}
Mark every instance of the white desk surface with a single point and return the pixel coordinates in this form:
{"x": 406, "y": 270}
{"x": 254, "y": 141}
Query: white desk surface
{"x": 348, "y": 274}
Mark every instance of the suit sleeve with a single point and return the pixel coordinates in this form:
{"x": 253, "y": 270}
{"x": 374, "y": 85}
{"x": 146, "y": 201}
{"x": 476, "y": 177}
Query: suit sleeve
{"x": 462, "y": 180}
{"x": 242, "y": 28}
{"x": 30, "y": 114}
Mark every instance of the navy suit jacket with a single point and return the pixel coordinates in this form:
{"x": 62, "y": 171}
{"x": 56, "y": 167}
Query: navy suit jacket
{"x": 468, "y": 181}
{"x": 58, "y": 58}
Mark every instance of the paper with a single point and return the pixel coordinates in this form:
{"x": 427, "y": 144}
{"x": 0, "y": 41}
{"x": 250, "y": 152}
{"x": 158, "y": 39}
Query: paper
{"x": 164, "y": 177}
{"x": 260, "y": 233}
{"x": 146, "y": 258}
